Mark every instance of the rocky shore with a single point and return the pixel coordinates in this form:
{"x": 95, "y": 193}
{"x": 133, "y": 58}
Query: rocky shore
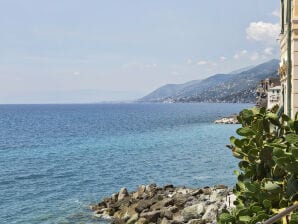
{"x": 165, "y": 205}
{"x": 227, "y": 120}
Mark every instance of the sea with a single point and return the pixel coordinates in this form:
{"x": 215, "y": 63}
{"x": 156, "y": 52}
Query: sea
{"x": 57, "y": 160}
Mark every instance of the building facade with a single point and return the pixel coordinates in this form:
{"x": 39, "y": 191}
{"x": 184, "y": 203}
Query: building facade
{"x": 274, "y": 97}
{"x": 263, "y": 90}
{"x": 288, "y": 69}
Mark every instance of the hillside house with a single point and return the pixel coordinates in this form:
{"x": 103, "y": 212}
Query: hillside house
{"x": 274, "y": 97}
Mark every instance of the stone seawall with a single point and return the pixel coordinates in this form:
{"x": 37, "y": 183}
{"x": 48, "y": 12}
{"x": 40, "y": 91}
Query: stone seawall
{"x": 165, "y": 205}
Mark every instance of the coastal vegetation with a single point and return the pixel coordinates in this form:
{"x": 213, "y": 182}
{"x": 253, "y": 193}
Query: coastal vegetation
{"x": 268, "y": 177}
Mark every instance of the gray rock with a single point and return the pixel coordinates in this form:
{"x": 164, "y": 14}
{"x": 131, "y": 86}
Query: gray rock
{"x": 196, "y": 221}
{"x": 117, "y": 221}
{"x": 141, "y": 190}
{"x": 122, "y": 193}
{"x": 168, "y": 186}
{"x": 193, "y": 212}
{"x": 142, "y": 205}
{"x": 163, "y": 203}
{"x": 124, "y": 203}
{"x": 178, "y": 218}
{"x": 173, "y": 209}
{"x": 142, "y": 221}
{"x": 133, "y": 219}
{"x": 114, "y": 197}
{"x": 211, "y": 213}
{"x": 179, "y": 200}
{"x": 167, "y": 214}
{"x": 164, "y": 221}
{"x": 176, "y": 222}
{"x": 151, "y": 216}
{"x": 197, "y": 192}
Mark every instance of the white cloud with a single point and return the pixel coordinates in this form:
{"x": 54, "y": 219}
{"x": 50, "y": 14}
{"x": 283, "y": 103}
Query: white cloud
{"x": 76, "y": 73}
{"x": 276, "y": 13}
{"x": 189, "y": 61}
{"x": 268, "y": 51}
{"x": 202, "y": 62}
{"x": 240, "y": 54}
{"x": 236, "y": 56}
{"x": 263, "y": 32}
{"x": 243, "y": 52}
{"x": 255, "y": 56}
{"x": 222, "y": 58}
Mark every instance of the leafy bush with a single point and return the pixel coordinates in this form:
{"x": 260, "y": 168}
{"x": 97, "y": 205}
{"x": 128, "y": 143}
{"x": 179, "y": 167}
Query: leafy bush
{"x": 267, "y": 180}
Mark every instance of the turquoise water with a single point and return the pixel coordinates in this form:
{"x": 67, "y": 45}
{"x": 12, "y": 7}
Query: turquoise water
{"x": 56, "y": 160}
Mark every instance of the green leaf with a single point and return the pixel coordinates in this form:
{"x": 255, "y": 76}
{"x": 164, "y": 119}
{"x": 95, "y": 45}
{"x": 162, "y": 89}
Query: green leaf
{"x": 236, "y": 172}
{"x": 283, "y": 203}
{"x": 292, "y": 138}
{"x": 294, "y": 218}
{"x": 247, "y": 113}
{"x": 246, "y": 131}
{"x": 240, "y": 185}
{"x": 256, "y": 209}
{"x": 278, "y": 152}
{"x": 238, "y": 143}
{"x": 274, "y": 119}
{"x": 296, "y": 126}
{"x": 282, "y": 161}
{"x": 261, "y": 217}
{"x": 226, "y": 218}
{"x": 295, "y": 153}
{"x": 267, "y": 203}
{"x": 285, "y": 117}
{"x": 245, "y": 218}
{"x": 263, "y": 110}
{"x": 251, "y": 187}
{"x": 292, "y": 167}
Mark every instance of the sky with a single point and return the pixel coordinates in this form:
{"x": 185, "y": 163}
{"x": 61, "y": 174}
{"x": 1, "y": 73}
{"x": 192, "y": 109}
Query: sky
{"x": 86, "y": 51}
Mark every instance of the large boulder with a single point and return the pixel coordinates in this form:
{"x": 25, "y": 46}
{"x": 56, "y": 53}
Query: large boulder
{"x": 180, "y": 200}
{"x": 193, "y": 212}
{"x": 162, "y": 204}
{"x": 142, "y": 205}
{"x": 196, "y": 221}
{"x": 122, "y": 193}
{"x": 133, "y": 219}
{"x": 151, "y": 216}
{"x": 211, "y": 213}
{"x": 164, "y": 221}
{"x": 142, "y": 221}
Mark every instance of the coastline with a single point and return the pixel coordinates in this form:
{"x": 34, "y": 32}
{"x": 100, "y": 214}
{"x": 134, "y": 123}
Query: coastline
{"x": 165, "y": 205}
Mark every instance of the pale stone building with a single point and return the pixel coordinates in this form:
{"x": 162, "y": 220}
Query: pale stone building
{"x": 274, "y": 96}
{"x": 289, "y": 56}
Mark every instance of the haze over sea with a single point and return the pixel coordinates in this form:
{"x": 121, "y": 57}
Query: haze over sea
{"x": 56, "y": 160}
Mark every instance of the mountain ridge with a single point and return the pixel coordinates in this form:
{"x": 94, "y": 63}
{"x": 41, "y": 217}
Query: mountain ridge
{"x": 232, "y": 88}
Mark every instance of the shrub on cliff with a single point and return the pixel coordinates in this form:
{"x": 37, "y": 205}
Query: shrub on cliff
{"x": 268, "y": 177}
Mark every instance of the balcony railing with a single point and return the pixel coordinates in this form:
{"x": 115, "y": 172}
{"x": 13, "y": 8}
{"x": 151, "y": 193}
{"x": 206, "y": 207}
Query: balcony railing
{"x": 280, "y": 215}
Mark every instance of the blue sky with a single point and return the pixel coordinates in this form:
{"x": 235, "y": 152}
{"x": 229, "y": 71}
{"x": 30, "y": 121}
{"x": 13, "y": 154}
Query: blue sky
{"x": 94, "y": 50}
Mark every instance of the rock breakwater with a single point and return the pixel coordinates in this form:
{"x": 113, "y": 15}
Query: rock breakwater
{"x": 227, "y": 120}
{"x": 165, "y": 205}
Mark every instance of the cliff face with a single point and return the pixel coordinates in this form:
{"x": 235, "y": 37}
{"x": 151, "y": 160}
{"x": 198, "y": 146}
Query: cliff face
{"x": 232, "y": 88}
